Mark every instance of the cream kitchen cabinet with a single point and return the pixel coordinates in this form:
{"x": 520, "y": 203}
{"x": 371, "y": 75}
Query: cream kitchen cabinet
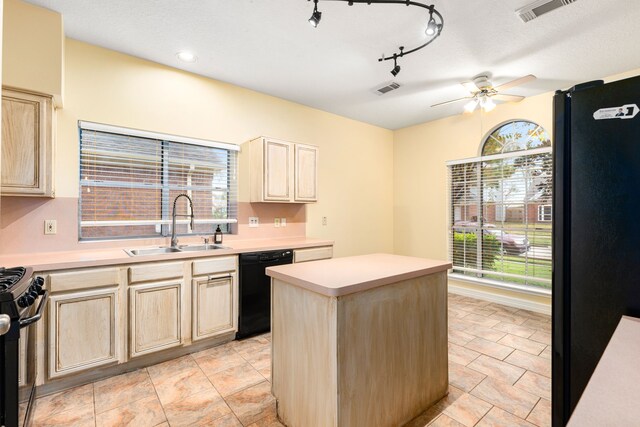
{"x": 84, "y": 320}
{"x": 155, "y": 312}
{"x": 312, "y": 254}
{"x": 156, "y": 298}
{"x": 283, "y": 171}
{"x": 214, "y": 297}
{"x": 22, "y": 364}
{"x": 27, "y": 144}
{"x": 84, "y": 330}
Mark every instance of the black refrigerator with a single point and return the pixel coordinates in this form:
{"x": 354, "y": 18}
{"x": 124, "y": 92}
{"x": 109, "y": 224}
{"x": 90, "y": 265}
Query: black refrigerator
{"x": 596, "y": 231}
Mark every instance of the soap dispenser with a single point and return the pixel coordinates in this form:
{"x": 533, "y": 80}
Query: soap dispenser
{"x": 217, "y": 237}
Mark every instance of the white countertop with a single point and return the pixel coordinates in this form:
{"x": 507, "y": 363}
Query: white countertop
{"x": 343, "y": 276}
{"x": 613, "y": 392}
{"x": 48, "y": 261}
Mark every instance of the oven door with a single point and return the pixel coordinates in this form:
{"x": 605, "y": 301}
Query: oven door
{"x": 27, "y": 361}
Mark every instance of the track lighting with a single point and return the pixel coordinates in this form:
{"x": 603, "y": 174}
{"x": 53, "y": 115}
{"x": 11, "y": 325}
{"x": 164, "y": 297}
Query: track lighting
{"x": 396, "y": 70}
{"x": 316, "y": 16}
{"x": 434, "y": 28}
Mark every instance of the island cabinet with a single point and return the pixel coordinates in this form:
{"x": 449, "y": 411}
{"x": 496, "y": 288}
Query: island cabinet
{"x": 27, "y": 144}
{"x": 155, "y": 307}
{"x": 83, "y": 320}
{"x": 358, "y": 341}
{"x": 283, "y": 171}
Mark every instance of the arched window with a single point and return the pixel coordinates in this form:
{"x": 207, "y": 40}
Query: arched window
{"x": 501, "y": 208}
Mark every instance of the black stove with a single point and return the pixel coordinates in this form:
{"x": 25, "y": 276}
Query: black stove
{"x": 19, "y": 292}
{"x": 10, "y": 276}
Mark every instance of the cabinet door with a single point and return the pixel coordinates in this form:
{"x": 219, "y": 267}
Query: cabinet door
{"x": 306, "y": 173}
{"x": 154, "y": 317}
{"x": 277, "y": 170}
{"x": 83, "y": 331}
{"x": 27, "y": 149}
{"x": 212, "y": 310}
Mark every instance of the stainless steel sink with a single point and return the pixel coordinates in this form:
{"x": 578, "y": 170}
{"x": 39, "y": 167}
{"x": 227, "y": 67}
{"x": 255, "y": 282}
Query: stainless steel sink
{"x": 151, "y": 251}
{"x": 206, "y": 247}
{"x": 170, "y": 250}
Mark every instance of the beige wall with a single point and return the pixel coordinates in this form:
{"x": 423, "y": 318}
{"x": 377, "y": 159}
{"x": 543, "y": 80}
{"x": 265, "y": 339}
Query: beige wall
{"x": 32, "y": 49}
{"x": 109, "y": 87}
{"x": 420, "y": 173}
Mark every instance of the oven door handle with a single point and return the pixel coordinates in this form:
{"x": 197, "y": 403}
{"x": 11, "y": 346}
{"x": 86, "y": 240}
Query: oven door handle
{"x": 38, "y": 315}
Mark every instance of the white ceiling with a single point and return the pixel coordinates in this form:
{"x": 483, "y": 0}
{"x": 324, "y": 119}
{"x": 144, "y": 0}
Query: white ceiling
{"x": 268, "y": 46}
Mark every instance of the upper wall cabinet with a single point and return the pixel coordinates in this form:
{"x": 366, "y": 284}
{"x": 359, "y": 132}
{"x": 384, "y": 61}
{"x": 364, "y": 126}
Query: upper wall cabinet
{"x": 27, "y": 144}
{"x": 283, "y": 171}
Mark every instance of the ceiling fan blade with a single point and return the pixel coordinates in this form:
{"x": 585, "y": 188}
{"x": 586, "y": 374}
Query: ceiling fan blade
{"x": 470, "y": 87}
{"x": 452, "y": 101}
{"x": 516, "y": 82}
{"x": 508, "y": 98}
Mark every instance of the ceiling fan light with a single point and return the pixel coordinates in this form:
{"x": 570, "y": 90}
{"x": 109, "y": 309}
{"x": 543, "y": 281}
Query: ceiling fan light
{"x": 487, "y": 104}
{"x": 471, "y": 105}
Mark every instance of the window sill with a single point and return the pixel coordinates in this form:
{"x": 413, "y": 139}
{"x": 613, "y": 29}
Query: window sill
{"x": 531, "y": 290}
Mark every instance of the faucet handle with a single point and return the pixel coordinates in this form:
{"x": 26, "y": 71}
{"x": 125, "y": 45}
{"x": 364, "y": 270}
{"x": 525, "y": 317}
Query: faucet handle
{"x": 206, "y": 240}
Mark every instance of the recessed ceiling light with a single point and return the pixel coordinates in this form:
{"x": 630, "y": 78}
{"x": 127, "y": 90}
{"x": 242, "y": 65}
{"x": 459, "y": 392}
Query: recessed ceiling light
{"x": 187, "y": 56}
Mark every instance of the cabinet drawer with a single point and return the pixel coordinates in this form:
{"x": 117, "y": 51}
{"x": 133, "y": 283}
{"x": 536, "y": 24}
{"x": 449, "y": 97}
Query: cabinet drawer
{"x": 148, "y": 272}
{"x": 84, "y": 279}
{"x": 215, "y": 265}
{"x": 312, "y": 254}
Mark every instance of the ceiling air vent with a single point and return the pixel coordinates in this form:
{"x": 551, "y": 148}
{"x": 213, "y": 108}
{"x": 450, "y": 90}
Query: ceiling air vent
{"x": 388, "y": 87}
{"x": 540, "y": 7}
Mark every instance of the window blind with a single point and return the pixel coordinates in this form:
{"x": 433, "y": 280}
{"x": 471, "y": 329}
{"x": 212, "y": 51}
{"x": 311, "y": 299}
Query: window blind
{"x": 129, "y": 180}
{"x": 496, "y": 229}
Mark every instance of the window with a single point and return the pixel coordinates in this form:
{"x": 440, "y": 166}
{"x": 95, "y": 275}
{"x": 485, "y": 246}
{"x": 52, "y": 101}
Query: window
{"x": 500, "y": 209}
{"x": 544, "y": 213}
{"x": 129, "y": 180}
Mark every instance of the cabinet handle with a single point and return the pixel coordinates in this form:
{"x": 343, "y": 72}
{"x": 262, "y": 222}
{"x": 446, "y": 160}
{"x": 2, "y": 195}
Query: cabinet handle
{"x": 212, "y": 278}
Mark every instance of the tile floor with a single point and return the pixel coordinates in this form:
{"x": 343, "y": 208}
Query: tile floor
{"x": 499, "y": 375}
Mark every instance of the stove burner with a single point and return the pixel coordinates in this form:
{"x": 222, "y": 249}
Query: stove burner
{"x": 10, "y": 276}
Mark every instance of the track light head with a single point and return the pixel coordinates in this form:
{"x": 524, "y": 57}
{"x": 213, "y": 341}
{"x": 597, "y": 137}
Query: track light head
{"x": 432, "y": 27}
{"x": 316, "y": 16}
{"x": 396, "y": 67}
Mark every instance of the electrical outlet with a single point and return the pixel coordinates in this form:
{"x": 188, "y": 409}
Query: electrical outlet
{"x": 324, "y": 220}
{"x": 50, "y": 226}
{"x": 283, "y": 222}
{"x": 254, "y": 222}
{"x": 276, "y": 222}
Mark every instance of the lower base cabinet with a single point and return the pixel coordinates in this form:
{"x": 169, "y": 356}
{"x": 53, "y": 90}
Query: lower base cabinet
{"x": 83, "y": 331}
{"x": 213, "y": 312}
{"x": 155, "y": 317}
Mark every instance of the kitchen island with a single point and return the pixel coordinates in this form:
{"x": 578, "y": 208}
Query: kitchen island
{"x": 358, "y": 341}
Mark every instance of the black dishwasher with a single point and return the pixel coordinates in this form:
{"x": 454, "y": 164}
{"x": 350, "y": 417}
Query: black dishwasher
{"x": 254, "y": 315}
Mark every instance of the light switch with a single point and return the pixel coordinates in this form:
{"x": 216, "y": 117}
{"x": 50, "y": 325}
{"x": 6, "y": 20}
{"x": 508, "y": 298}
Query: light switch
{"x": 276, "y": 222}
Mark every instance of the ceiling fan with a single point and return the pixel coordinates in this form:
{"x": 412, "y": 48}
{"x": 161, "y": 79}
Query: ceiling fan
{"x": 482, "y": 92}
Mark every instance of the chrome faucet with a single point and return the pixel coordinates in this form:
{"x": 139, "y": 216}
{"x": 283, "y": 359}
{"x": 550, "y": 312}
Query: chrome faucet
{"x": 174, "y": 239}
